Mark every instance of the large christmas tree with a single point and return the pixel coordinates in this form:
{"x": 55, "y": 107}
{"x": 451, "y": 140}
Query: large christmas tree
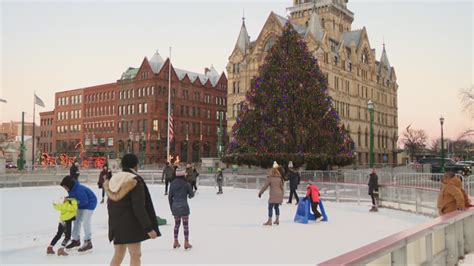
{"x": 288, "y": 114}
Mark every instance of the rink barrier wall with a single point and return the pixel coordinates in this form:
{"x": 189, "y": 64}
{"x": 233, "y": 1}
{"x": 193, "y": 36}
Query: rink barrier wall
{"x": 441, "y": 241}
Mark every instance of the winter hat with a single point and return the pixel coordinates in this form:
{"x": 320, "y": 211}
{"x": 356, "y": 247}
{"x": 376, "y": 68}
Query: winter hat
{"x": 68, "y": 182}
{"x": 129, "y": 161}
{"x": 180, "y": 173}
{"x": 275, "y": 164}
{"x": 290, "y": 164}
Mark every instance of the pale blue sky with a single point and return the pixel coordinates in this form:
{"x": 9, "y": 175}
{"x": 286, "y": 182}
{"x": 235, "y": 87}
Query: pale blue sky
{"x": 55, "y": 46}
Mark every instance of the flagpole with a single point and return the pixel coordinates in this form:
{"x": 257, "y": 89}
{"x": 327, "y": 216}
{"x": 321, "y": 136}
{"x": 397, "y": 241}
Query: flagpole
{"x": 169, "y": 108}
{"x": 33, "y": 148}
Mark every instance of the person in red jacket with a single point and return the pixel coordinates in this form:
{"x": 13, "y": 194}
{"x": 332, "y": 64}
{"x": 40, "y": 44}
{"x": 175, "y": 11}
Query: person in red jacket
{"x": 312, "y": 193}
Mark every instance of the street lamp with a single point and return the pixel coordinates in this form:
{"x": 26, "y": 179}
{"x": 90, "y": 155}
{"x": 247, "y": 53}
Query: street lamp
{"x": 370, "y": 106}
{"x": 441, "y": 121}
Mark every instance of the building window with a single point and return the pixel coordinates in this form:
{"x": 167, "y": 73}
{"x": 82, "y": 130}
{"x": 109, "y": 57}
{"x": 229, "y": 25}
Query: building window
{"x": 145, "y": 108}
{"x": 139, "y": 108}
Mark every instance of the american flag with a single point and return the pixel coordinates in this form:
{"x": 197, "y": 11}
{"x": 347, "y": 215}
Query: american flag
{"x": 171, "y": 127}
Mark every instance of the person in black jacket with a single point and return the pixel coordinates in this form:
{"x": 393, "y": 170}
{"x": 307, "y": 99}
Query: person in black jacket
{"x": 180, "y": 191}
{"x": 74, "y": 170}
{"x": 294, "y": 178}
{"x": 104, "y": 174}
{"x": 167, "y": 176}
{"x": 132, "y": 217}
{"x": 374, "y": 190}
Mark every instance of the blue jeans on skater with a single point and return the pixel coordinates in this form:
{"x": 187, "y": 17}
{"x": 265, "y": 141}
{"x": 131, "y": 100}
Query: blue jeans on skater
{"x": 272, "y": 206}
{"x": 83, "y": 218}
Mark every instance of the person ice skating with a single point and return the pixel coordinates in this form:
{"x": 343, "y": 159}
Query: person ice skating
{"x": 452, "y": 196}
{"x": 132, "y": 217}
{"x": 87, "y": 201}
{"x": 313, "y": 194}
{"x": 219, "y": 180}
{"x": 180, "y": 191}
{"x": 168, "y": 174}
{"x": 74, "y": 170}
{"x": 68, "y": 211}
{"x": 294, "y": 178}
{"x": 106, "y": 173}
{"x": 194, "y": 177}
{"x": 374, "y": 190}
{"x": 275, "y": 182}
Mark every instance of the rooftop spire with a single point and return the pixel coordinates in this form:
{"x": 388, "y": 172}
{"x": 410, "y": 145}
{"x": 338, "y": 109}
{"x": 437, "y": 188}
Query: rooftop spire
{"x": 243, "y": 41}
{"x": 384, "y": 58}
{"x": 314, "y": 25}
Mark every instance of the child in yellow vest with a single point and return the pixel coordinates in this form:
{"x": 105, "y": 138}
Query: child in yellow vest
{"x": 68, "y": 210}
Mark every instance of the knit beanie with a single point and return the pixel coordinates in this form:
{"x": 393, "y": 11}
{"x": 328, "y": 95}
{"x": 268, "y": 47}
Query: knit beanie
{"x": 129, "y": 161}
{"x": 68, "y": 182}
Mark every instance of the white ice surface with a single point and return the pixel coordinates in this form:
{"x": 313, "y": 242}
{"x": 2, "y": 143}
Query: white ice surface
{"x": 224, "y": 229}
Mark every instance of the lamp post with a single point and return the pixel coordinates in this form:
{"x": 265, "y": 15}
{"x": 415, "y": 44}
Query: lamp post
{"x": 441, "y": 121}
{"x": 370, "y": 106}
{"x": 142, "y": 149}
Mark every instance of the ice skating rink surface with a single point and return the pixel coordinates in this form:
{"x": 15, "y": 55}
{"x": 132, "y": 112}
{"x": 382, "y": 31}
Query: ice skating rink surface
{"x": 224, "y": 229}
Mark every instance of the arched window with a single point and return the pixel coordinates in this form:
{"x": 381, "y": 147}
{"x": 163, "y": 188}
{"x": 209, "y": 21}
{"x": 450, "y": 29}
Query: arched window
{"x": 365, "y": 56}
{"x": 269, "y": 44}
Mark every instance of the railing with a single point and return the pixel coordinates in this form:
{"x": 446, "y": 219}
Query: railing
{"x": 441, "y": 241}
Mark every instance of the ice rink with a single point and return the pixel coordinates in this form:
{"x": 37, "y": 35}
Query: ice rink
{"x": 224, "y": 229}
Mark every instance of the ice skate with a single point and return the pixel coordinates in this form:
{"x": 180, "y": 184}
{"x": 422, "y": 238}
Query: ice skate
{"x": 319, "y": 219}
{"x": 187, "y": 246}
{"x": 269, "y": 222}
{"x": 50, "y": 250}
{"x": 373, "y": 209}
{"x": 277, "y": 221}
{"x": 86, "y": 247}
{"x": 102, "y": 201}
{"x": 176, "y": 244}
{"x": 74, "y": 244}
{"x": 62, "y": 252}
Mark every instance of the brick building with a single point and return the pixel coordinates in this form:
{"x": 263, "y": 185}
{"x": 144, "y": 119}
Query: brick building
{"x": 45, "y": 143}
{"x": 130, "y": 115}
{"x": 13, "y": 129}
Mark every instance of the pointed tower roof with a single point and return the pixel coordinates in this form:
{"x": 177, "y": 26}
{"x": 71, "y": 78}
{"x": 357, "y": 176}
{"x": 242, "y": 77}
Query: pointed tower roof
{"x": 243, "y": 41}
{"x": 156, "y": 62}
{"x": 213, "y": 75}
{"x": 314, "y": 26}
{"x": 384, "y": 58}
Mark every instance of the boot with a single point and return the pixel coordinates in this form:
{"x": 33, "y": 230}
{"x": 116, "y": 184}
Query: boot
{"x": 87, "y": 246}
{"x": 50, "y": 250}
{"x": 376, "y": 208}
{"x": 62, "y": 252}
{"x": 269, "y": 222}
{"x": 372, "y": 209}
{"x": 73, "y": 244}
{"x": 277, "y": 220}
{"x": 176, "y": 244}
{"x": 187, "y": 245}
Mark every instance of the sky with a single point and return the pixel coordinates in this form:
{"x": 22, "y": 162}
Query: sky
{"x": 51, "y": 46}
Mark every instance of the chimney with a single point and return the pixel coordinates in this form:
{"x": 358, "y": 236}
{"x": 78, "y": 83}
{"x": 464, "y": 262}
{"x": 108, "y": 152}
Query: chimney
{"x": 206, "y": 70}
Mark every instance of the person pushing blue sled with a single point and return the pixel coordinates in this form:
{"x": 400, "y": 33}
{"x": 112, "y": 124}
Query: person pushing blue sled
{"x": 312, "y": 200}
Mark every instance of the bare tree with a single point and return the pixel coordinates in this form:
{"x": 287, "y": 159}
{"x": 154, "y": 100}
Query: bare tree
{"x": 467, "y": 100}
{"x": 414, "y": 140}
{"x": 435, "y": 145}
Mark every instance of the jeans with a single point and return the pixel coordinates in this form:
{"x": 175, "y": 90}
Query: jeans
{"x": 272, "y": 206}
{"x": 83, "y": 218}
{"x": 314, "y": 207}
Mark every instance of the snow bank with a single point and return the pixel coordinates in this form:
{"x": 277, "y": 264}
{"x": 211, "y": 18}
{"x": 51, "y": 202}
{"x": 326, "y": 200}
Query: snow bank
{"x": 224, "y": 229}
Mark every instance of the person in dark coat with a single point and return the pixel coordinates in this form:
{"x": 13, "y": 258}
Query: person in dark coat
{"x": 294, "y": 178}
{"x": 74, "y": 170}
{"x": 194, "y": 176}
{"x": 180, "y": 191}
{"x": 132, "y": 217}
{"x": 374, "y": 190}
{"x": 168, "y": 175}
{"x": 106, "y": 173}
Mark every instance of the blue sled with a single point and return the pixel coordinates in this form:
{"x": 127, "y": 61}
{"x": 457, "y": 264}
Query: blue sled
{"x": 303, "y": 212}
